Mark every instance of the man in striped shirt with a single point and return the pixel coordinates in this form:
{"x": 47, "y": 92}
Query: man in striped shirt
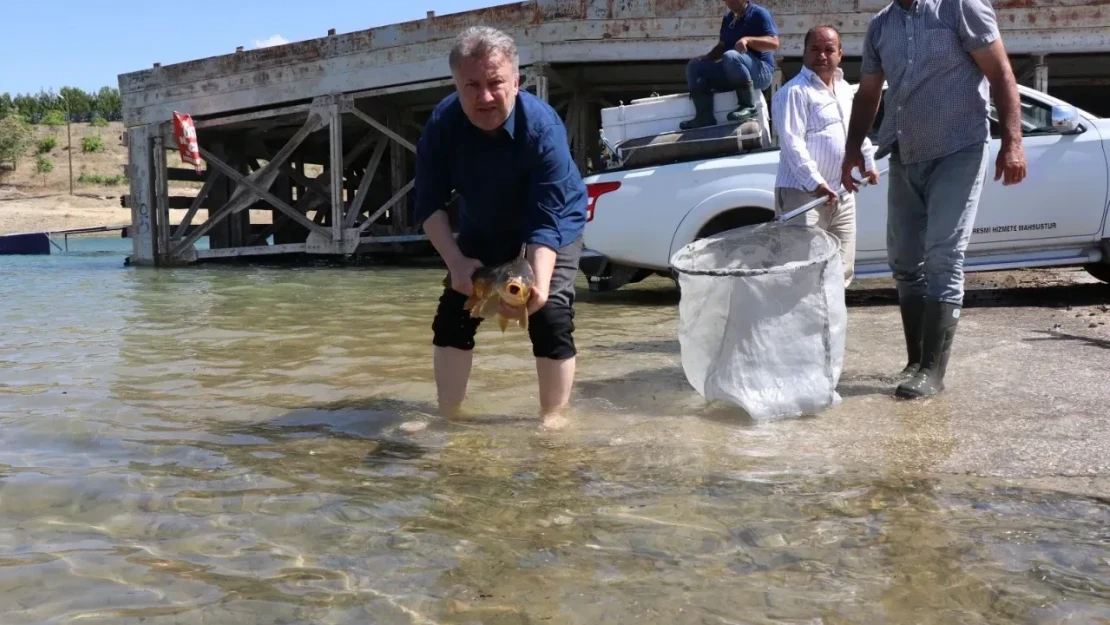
{"x": 810, "y": 114}
{"x": 942, "y": 61}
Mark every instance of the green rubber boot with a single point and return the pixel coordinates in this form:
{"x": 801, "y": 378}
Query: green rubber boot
{"x": 938, "y": 330}
{"x": 913, "y": 311}
{"x": 703, "y": 111}
{"x": 745, "y": 104}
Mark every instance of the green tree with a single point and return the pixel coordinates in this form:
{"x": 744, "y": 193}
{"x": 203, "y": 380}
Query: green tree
{"x": 16, "y": 138}
{"x": 43, "y": 166}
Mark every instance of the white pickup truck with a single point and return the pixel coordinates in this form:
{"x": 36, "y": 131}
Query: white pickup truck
{"x": 1057, "y": 216}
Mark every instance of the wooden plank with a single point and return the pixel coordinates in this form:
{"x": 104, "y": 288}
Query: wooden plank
{"x": 257, "y": 250}
{"x": 195, "y": 205}
{"x": 364, "y": 184}
{"x": 380, "y": 127}
{"x": 384, "y": 207}
{"x": 335, "y": 145}
{"x": 140, "y": 200}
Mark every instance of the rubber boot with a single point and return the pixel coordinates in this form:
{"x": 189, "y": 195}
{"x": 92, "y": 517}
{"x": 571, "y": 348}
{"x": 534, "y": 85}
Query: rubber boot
{"x": 745, "y": 104}
{"x": 913, "y": 311}
{"x": 938, "y": 330}
{"x": 703, "y": 111}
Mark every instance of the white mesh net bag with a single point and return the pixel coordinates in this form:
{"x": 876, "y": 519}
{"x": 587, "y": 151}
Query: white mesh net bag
{"x": 762, "y": 318}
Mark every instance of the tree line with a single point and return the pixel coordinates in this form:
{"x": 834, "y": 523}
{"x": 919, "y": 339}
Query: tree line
{"x": 83, "y": 106}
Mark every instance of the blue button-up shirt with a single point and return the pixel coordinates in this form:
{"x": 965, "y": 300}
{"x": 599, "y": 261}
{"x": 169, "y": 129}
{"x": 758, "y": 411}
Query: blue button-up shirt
{"x": 518, "y": 186}
{"x": 755, "y": 22}
{"x": 937, "y": 98}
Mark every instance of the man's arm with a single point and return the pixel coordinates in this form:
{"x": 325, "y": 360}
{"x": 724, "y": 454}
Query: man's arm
{"x": 764, "y": 43}
{"x": 788, "y": 111}
{"x": 768, "y": 38}
{"x": 995, "y": 64}
{"x": 554, "y": 177}
{"x": 717, "y": 52}
{"x": 432, "y": 192}
{"x": 979, "y": 35}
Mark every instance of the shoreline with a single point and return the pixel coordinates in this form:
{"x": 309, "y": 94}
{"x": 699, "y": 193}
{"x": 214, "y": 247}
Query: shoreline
{"x": 24, "y": 210}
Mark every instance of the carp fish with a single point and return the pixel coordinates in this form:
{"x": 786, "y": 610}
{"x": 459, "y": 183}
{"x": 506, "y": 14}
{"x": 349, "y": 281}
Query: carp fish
{"x": 509, "y": 282}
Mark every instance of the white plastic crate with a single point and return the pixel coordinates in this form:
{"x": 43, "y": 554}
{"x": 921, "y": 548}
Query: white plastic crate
{"x": 647, "y": 117}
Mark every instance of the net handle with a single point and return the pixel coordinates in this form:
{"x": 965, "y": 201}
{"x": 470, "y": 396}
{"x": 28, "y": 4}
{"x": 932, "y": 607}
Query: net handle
{"x": 805, "y": 208}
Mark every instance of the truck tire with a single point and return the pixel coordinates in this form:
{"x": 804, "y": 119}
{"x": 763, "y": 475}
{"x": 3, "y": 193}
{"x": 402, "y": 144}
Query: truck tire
{"x": 735, "y": 218}
{"x": 1100, "y": 271}
{"x": 728, "y": 220}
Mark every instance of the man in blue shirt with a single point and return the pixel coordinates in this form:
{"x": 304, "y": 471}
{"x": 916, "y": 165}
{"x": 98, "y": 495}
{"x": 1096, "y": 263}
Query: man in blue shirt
{"x": 505, "y": 152}
{"x": 743, "y": 60}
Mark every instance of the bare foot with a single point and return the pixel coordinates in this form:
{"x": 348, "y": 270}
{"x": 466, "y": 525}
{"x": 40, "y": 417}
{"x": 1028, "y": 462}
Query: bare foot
{"x": 555, "y": 421}
{"x": 451, "y": 412}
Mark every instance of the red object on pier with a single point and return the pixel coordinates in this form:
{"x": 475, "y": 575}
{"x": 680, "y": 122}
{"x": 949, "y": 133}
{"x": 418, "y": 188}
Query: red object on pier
{"x": 186, "y": 134}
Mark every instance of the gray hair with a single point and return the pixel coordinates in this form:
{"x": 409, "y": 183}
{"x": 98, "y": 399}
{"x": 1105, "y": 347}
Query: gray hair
{"x": 479, "y": 42}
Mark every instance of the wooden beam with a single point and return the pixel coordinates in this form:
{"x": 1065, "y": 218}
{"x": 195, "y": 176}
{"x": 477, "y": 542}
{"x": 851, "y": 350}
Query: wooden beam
{"x": 381, "y": 127}
{"x": 364, "y": 184}
{"x": 194, "y": 206}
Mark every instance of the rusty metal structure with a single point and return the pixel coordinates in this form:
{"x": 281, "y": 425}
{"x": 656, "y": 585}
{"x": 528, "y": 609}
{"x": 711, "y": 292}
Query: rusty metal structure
{"x": 350, "y": 107}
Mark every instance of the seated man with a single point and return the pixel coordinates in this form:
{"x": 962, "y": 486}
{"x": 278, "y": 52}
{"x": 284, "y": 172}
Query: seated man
{"x": 743, "y": 60}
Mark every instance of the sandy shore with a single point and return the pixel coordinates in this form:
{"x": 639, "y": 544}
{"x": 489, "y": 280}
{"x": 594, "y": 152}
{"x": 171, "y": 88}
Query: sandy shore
{"x": 21, "y": 211}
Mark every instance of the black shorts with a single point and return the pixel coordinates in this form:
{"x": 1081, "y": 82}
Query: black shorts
{"x": 550, "y": 328}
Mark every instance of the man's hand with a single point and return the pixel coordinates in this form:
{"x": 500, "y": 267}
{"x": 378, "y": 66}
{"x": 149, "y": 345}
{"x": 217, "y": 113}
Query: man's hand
{"x": 853, "y": 159}
{"x": 462, "y": 274}
{"x": 741, "y": 45}
{"x": 1010, "y": 163}
{"x": 538, "y": 299}
{"x": 824, "y": 190}
{"x": 872, "y": 176}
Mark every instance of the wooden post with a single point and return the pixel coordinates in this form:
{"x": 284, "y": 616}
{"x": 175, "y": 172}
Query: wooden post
{"x": 161, "y": 201}
{"x": 335, "y": 128}
{"x": 141, "y": 201}
{"x": 1040, "y": 73}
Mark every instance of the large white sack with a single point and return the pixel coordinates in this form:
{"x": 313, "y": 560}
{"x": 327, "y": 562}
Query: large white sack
{"x": 763, "y": 319}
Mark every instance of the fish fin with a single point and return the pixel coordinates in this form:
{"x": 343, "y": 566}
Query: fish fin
{"x": 503, "y": 323}
{"x": 472, "y": 303}
{"x": 489, "y": 306}
{"x": 523, "y": 321}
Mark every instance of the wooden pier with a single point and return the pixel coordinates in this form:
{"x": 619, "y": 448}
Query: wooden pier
{"x": 322, "y": 133}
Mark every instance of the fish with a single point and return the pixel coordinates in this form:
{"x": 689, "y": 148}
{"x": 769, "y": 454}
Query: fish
{"x": 509, "y": 282}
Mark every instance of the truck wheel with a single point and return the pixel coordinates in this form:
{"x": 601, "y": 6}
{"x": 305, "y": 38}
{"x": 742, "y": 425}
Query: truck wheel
{"x": 735, "y": 218}
{"x": 1100, "y": 271}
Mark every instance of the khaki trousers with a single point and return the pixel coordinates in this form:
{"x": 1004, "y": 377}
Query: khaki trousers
{"x": 838, "y": 220}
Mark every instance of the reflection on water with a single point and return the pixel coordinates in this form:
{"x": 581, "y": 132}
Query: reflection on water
{"x": 245, "y": 445}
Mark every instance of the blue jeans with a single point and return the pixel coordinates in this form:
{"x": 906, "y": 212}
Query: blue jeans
{"x": 931, "y": 209}
{"x": 734, "y": 69}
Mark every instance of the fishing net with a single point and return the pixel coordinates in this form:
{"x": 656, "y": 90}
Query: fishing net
{"x": 762, "y": 318}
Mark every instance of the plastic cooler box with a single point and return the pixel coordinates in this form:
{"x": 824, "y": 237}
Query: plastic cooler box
{"x": 646, "y": 117}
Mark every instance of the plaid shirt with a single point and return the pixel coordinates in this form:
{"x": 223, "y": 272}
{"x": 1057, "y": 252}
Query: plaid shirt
{"x": 937, "y": 98}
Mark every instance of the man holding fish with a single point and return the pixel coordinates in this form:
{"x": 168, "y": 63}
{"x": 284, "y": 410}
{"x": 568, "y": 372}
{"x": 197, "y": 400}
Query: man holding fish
{"x": 521, "y": 197}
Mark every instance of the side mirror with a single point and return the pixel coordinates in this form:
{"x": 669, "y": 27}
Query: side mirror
{"x": 1065, "y": 118}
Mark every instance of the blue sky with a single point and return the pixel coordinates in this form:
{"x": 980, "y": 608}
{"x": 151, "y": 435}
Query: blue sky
{"x": 82, "y": 44}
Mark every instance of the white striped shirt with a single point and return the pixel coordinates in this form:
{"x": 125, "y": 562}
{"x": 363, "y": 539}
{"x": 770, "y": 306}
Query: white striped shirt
{"x": 811, "y": 121}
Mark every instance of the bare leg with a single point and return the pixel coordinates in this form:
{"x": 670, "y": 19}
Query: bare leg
{"x": 452, "y": 371}
{"x": 556, "y": 378}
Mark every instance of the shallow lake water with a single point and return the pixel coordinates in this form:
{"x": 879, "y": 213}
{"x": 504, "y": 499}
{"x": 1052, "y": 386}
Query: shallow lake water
{"x": 258, "y": 445}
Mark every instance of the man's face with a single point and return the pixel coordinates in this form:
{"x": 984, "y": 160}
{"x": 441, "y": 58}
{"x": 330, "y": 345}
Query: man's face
{"x": 823, "y": 53}
{"x": 487, "y": 89}
{"x": 736, "y": 6}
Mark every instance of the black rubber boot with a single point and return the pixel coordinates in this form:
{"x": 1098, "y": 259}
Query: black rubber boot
{"x": 913, "y": 311}
{"x": 745, "y": 104}
{"x": 938, "y": 330}
{"x": 703, "y": 111}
